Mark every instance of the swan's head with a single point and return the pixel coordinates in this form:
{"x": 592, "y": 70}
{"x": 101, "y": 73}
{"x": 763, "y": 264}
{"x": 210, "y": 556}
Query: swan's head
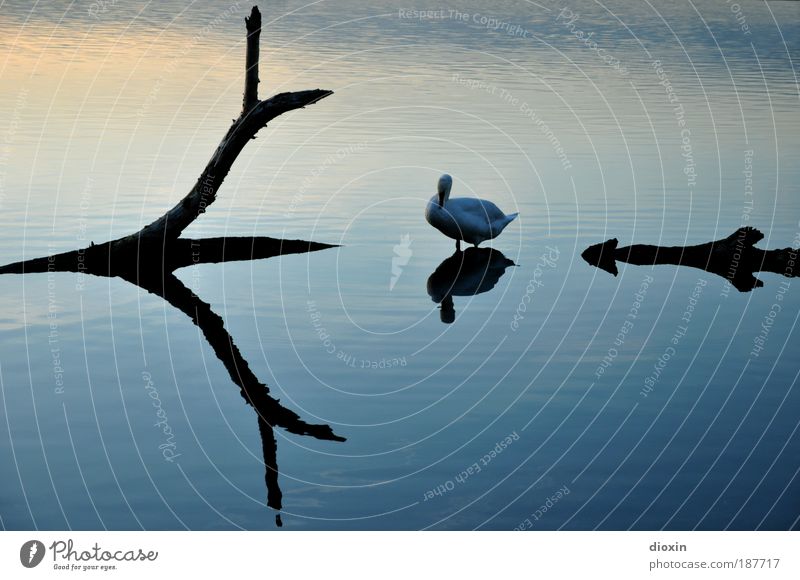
{"x": 445, "y": 183}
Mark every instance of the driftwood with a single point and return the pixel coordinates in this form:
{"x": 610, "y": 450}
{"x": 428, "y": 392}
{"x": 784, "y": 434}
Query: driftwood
{"x": 160, "y": 236}
{"x": 148, "y": 258}
{"x": 734, "y": 258}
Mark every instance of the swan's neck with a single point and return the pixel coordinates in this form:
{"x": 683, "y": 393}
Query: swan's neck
{"x": 444, "y": 195}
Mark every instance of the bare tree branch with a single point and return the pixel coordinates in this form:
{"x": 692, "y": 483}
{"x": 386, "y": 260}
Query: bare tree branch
{"x": 170, "y": 225}
{"x": 149, "y": 257}
{"x": 253, "y": 24}
{"x": 254, "y": 116}
{"x": 162, "y": 234}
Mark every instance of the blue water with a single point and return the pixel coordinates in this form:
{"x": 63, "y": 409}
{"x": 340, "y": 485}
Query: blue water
{"x": 676, "y": 128}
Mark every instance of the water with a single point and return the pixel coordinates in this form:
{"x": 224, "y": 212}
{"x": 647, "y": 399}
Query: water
{"x": 529, "y": 409}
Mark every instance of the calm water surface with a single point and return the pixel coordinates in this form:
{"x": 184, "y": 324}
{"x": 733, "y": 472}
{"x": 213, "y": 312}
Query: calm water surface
{"x": 561, "y": 398}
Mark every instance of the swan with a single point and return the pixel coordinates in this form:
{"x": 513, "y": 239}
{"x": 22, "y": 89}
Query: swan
{"x": 465, "y": 218}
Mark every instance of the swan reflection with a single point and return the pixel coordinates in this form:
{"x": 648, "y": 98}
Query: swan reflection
{"x": 467, "y": 273}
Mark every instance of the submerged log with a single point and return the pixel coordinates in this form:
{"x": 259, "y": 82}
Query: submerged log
{"x": 734, "y": 258}
{"x": 134, "y": 262}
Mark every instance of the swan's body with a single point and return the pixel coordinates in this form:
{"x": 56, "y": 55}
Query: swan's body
{"x": 465, "y": 218}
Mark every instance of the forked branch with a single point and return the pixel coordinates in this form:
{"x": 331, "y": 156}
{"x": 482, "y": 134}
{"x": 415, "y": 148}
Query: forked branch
{"x": 148, "y": 258}
{"x": 161, "y": 234}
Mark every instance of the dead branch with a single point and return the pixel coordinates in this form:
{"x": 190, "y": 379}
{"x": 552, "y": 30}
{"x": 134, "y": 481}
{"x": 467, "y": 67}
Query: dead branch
{"x": 170, "y": 225}
{"x": 161, "y": 234}
{"x": 253, "y": 25}
{"x": 148, "y": 257}
{"x": 734, "y": 258}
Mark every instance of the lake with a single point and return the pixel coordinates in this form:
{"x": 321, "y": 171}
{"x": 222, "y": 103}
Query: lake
{"x": 559, "y": 397}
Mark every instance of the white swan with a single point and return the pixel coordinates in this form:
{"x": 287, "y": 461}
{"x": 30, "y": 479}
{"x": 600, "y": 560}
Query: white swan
{"x": 465, "y": 218}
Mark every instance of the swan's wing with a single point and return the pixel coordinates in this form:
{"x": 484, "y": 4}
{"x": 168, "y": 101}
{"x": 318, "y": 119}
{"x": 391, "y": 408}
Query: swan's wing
{"x": 481, "y": 209}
